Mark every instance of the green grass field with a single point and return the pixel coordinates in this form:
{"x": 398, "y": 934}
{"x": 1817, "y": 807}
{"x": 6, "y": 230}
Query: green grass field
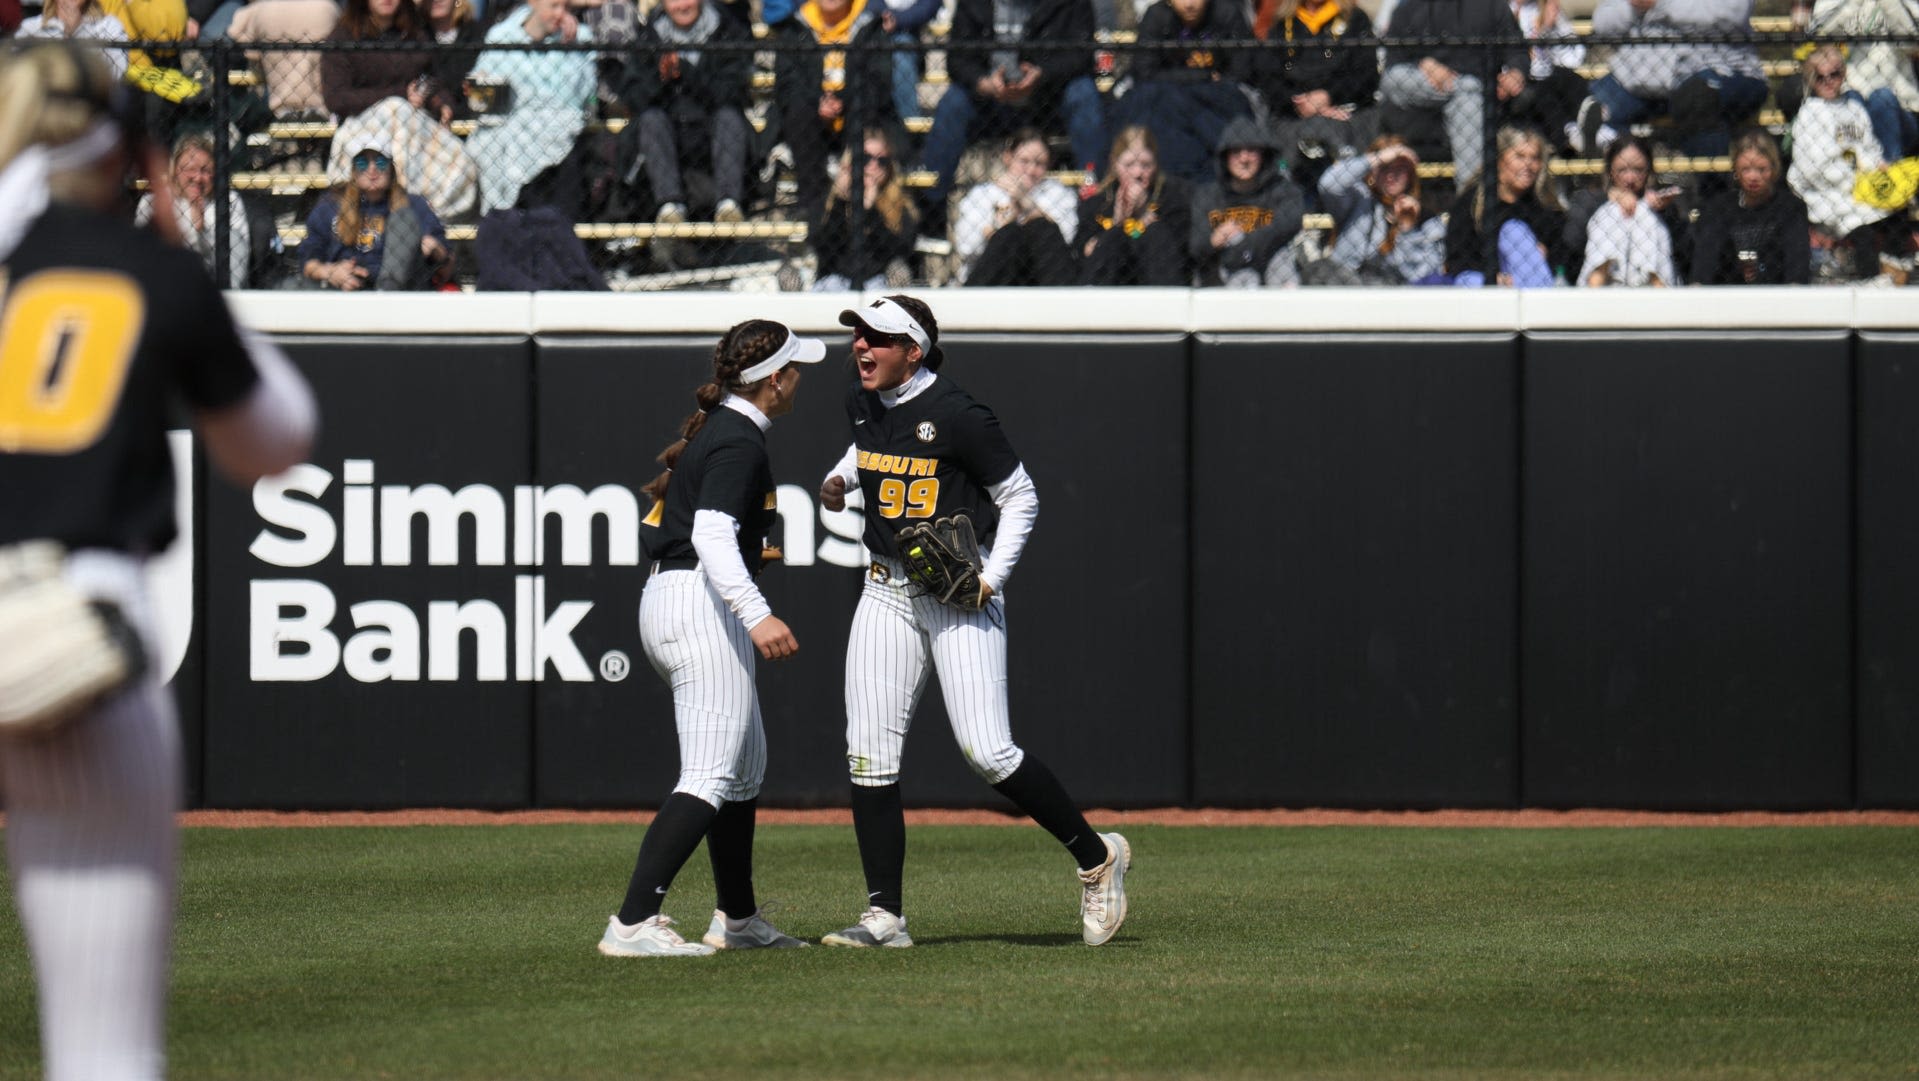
{"x": 457, "y": 952}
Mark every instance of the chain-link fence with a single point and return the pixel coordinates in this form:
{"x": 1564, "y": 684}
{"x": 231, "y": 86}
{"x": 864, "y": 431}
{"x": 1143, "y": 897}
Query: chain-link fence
{"x": 1041, "y": 142}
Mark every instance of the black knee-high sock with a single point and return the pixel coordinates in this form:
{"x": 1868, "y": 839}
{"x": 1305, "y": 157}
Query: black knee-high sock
{"x": 879, "y": 822}
{"x": 1034, "y": 790}
{"x": 669, "y": 841}
{"x": 729, "y": 845}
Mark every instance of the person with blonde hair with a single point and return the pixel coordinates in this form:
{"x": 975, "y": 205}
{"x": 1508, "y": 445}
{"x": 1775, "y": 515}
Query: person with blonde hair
{"x": 80, "y": 20}
{"x": 1134, "y": 229}
{"x": 888, "y": 221}
{"x": 1507, "y": 230}
{"x": 190, "y": 172}
{"x": 1758, "y": 232}
{"x": 109, "y": 330}
{"x": 1832, "y": 143}
{"x": 370, "y": 233}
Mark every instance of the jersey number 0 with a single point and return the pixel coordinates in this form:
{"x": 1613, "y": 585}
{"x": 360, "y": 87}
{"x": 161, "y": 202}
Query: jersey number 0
{"x": 67, "y": 339}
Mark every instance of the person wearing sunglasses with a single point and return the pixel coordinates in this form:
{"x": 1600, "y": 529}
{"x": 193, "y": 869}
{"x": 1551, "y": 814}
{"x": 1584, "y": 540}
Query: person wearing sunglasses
{"x": 369, "y": 233}
{"x": 887, "y": 224}
{"x": 1832, "y": 143}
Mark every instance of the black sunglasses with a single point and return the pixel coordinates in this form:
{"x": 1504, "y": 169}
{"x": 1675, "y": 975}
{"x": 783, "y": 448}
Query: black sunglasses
{"x": 875, "y": 337}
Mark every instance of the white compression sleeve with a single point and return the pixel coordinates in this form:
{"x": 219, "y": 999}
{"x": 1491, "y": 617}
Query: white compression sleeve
{"x": 847, "y": 469}
{"x": 714, "y": 534}
{"x": 272, "y": 429}
{"x": 1018, "y": 502}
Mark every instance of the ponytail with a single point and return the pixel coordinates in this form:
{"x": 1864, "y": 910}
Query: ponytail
{"x": 740, "y": 348}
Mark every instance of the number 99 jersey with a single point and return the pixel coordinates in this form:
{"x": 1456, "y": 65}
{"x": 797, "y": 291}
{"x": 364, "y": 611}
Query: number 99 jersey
{"x": 927, "y": 457}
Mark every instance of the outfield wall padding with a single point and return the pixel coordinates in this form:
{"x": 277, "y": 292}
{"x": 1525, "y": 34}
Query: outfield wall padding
{"x": 1509, "y": 560}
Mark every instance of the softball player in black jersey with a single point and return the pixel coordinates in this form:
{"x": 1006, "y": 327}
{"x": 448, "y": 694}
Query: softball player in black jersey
{"x": 102, "y": 326}
{"x": 701, "y": 619}
{"x": 924, "y": 449}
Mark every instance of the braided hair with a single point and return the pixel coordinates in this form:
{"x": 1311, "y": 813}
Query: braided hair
{"x": 745, "y": 345}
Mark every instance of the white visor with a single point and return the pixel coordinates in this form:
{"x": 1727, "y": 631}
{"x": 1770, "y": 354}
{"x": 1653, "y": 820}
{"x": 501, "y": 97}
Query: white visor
{"x": 794, "y": 350}
{"x": 887, "y": 317}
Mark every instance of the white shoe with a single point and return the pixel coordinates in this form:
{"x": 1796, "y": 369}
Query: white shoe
{"x": 877, "y": 927}
{"x": 664, "y": 246}
{"x": 728, "y": 212}
{"x": 751, "y": 933}
{"x": 651, "y": 937}
{"x": 1102, "y": 905}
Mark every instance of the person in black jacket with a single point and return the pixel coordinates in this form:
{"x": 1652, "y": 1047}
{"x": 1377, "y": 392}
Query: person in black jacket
{"x": 1757, "y": 233}
{"x": 1318, "y": 79}
{"x": 1508, "y": 229}
{"x": 1133, "y": 230}
{"x": 834, "y": 77}
{"x": 864, "y": 252}
{"x": 1450, "y": 80}
{"x": 1002, "y": 82}
{"x": 689, "y": 102}
{"x": 1244, "y": 221}
{"x": 1189, "y": 88}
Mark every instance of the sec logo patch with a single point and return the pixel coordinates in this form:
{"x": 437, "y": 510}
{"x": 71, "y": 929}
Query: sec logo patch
{"x": 926, "y": 432}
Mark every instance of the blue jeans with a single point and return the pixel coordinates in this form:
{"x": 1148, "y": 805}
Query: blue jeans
{"x": 1739, "y": 96}
{"x": 906, "y": 74}
{"x": 959, "y": 116}
{"x": 1896, "y": 129}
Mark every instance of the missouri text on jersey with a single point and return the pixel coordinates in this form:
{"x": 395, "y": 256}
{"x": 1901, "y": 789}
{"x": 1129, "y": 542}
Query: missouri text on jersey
{"x": 898, "y": 464}
{"x": 307, "y": 523}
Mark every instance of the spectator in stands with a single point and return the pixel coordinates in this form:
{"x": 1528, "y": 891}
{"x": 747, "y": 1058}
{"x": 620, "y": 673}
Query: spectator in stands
{"x": 833, "y": 83}
{"x": 1189, "y": 88}
{"x": 1017, "y": 228}
{"x": 1508, "y": 229}
{"x": 292, "y": 78}
{"x": 155, "y": 71}
{"x": 690, "y": 104}
{"x": 1757, "y": 233}
{"x": 872, "y": 255}
{"x": 1624, "y": 235}
{"x": 615, "y": 25}
{"x": 1133, "y": 230}
{"x": 390, "y": 94}
{"x": 1707, "y": 87}
{"x": 457, "y": 33}
{"x": 370, "y": 234}
{"x": 1832, "y": 143}
{"x": 1321, "y": 95}
{"x": 190, "y": 170}
{"x": 354, "y": 80}
{"x": 1449, "y": 81}
{"x": 81, "y": 20}
{"x": 528, "y": 159}
{"x": 1554, "y": 87}
{"x": 1243, "y": 222}
{"x": 998, "y": 84}
{"x": 903, "y": 20}
{"x": 1384, "y": 235}
{"x": 1881, "y": 72}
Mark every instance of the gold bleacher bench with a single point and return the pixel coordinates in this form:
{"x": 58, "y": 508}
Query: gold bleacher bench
{"x": 692, "y": 230}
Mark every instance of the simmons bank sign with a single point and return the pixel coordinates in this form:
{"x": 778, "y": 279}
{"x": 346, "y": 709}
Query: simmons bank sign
{"x": 312, "y": 519}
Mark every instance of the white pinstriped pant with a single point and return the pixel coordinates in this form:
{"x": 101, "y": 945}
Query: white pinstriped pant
{"x": 94, "y": 854}
{"x": 703, "y": 652}
{"x": 895, "y": 636}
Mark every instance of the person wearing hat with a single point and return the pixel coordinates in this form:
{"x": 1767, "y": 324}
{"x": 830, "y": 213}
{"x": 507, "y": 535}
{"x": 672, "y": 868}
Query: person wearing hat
{"x": 701, "y": 621}
{"x": 368, "y": 233}
{"x": 923, "y": 449}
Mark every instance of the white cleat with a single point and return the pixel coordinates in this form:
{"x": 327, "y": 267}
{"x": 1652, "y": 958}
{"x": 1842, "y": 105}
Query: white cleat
{"x": 751, "y": 933}
{"x": 877, "y": 927}
{"x": 651, "y": 937}
{"x": 1102, "y": 904}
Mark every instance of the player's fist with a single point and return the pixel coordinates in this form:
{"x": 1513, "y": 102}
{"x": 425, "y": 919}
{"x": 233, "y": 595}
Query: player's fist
{"x": 833, "y": 493}
{"x": 772, "y": 638}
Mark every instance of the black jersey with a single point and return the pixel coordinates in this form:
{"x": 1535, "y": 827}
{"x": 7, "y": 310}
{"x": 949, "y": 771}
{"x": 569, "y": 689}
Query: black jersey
{"x": 927, "y": 457}
{"x": 102, "y": 328}
{"x": 723, "y": 468}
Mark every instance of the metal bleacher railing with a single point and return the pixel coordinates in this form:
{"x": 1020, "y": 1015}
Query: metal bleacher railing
{"x": 283, "y": 164}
